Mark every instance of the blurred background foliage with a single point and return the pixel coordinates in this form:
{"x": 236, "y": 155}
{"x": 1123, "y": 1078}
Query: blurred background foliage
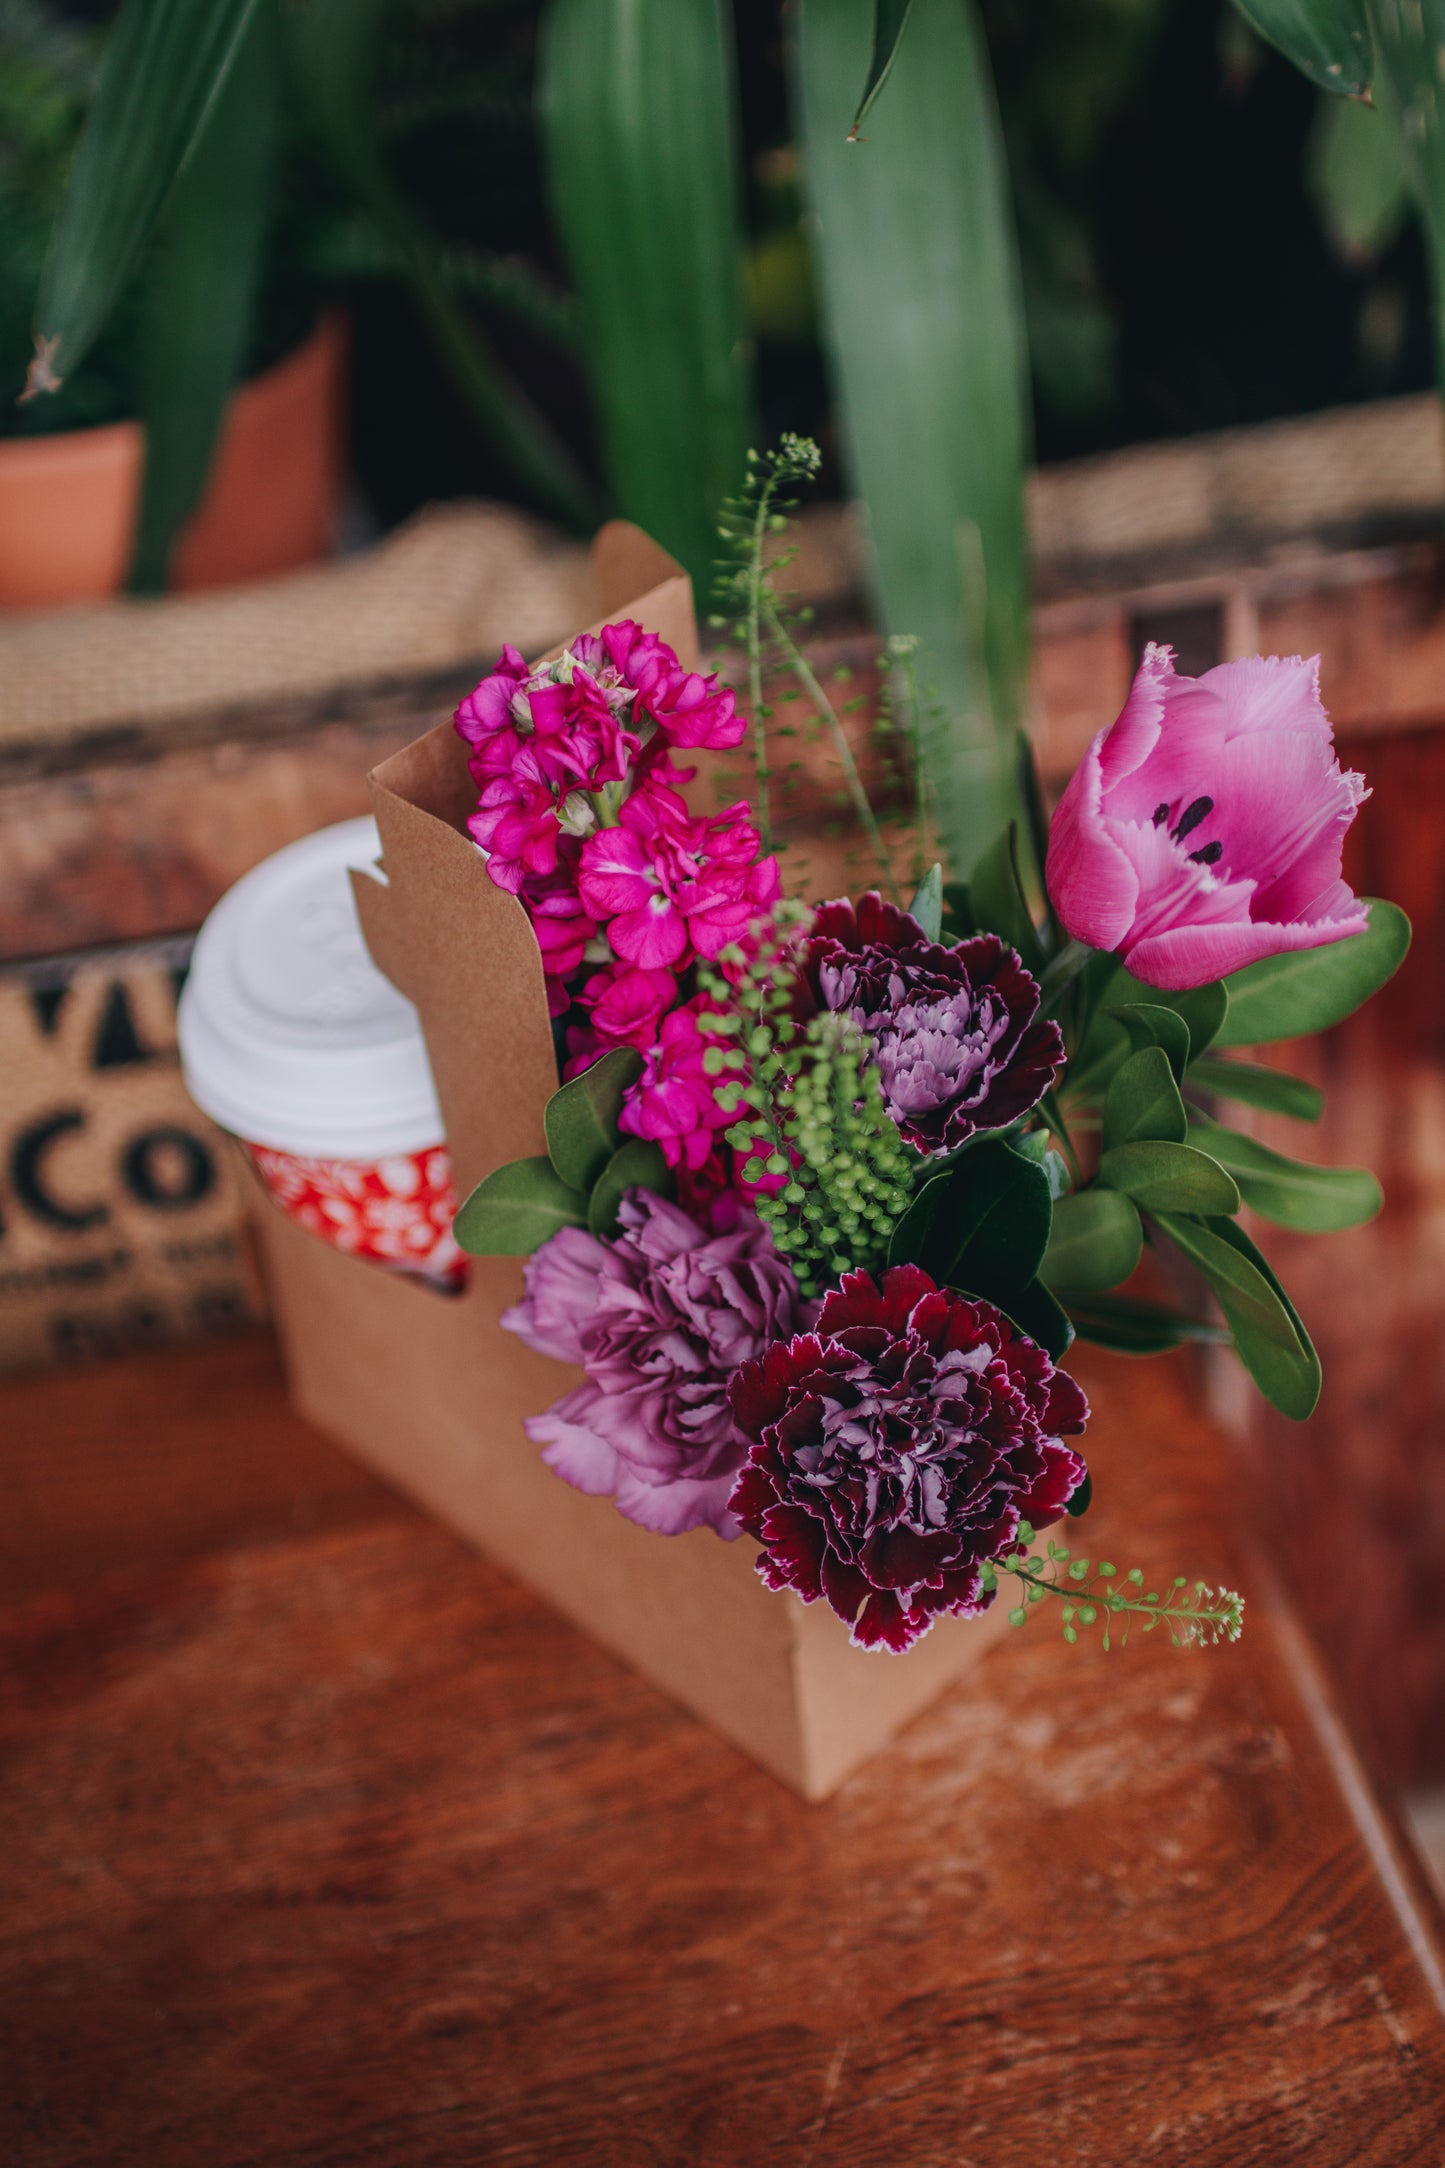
{"x": 592, "y": 249}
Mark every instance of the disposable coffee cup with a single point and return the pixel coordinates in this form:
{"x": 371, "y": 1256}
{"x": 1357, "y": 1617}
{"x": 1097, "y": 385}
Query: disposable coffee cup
{"x": 291, "y": 1039}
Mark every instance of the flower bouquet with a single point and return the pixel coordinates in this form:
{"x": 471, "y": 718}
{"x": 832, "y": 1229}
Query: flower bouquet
{"x": 831, "y": 1186}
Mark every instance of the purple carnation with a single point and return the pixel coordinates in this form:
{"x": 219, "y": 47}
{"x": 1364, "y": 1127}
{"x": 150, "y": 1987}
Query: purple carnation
{"x": 955, "y": 1037}
{"x": 659, "y": 1317}
{"x": 897, "y": 1447}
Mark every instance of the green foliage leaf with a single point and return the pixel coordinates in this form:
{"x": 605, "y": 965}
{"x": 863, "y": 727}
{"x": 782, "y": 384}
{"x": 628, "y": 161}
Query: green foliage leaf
{"x": 165, "y": 62}
{"x": 1356, "y": 173}
{"x": 1328, "y": 40}
{"x": 923, "y": 333}
{"x": 1082, "y": 1499}
{"x": 927, "y": 904}
{"x": 1143, "y": 1101}
{"x": 1283, "y": 997}
{"x": 1129, "y": 1327}
{"x": 996, "y": 895}
{"x": 638, "y": 105}
{"x": 202, "y": 289}
{"x": 637, "y": 1164}
{"x": 1169, "y": 1177}
{"x": 1291, "y": 1192}
{"x": 992, "y": 1229}
{"x": 1147, "y": 1024}
{"x": 1203, "y": 1008}
{"x": 1272, "y": 1343}
{"x": 1095, "y": 1240}
{"x": 889, "y": 20}
{"x": 516, "y": 1209}
{"x": 581, "y": 1119}
{"x": 909, "y": 1242}
{"x": 1254, "y": 1085}
{"x": 1039, "y": 1313}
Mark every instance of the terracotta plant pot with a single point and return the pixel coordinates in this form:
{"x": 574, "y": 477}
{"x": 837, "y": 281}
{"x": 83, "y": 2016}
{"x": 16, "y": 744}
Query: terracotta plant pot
{"x": 68, "y": 502}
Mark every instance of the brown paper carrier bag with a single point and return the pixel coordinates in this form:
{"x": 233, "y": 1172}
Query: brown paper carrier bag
{"x": 432, "y": 1393}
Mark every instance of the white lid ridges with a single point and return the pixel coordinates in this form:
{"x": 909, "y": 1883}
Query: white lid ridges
{"x": 289, "y": 1035}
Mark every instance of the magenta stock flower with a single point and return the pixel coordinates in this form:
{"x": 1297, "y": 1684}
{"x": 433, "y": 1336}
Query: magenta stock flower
{"x": 516, "y": 825}
{"x": 674, "y": 1101}
{"x": 659, "y": 1318}
{"x": 897, "y": 1446}
{"x": 1204, "y": 829}
{"x": 690, "y": 710}
{"x": 675, "y": 887}
{"x": 624, "y": 1007}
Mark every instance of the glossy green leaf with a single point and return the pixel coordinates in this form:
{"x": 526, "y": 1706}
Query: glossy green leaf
{"x": 201, "y": 291}
{"x": 581, "y": 1119}
{"x": 1166, "y": 1177}
{"x": 993, "y": 1227}
{"x": 1147, "y": 1024}
{"x": 1271, "y": 1342}
{"x": 1283, "y": 997}
{"x": 1355, "y": 171}
{"x": 638, "y": 105}
{"x": 335, "y": 47}
{"x": 997, "y": 899}
{"x": 1203, "y": 1008}
{"x": 927, "y": 904}
{"x": 1328, "y": 40}
{"x": 1095, "y": 1241}
{"x": 1143, "y": 1101}
{"x": 923, "y": 333}
{"x": 516, "y": 1209}
{"x": 636, "y": 1164}
{"x": 1082, "y": 1498}
{"x": 1130, "y": 1327}
{"x": 890, "y": 18}
{"x": 1291, "y": 1192}
{"x": 912, "y": 1231}
{"x": 1254, "y": 1085}
{"x": 1039, "y": 1313}
{"x": 165, "y": 62}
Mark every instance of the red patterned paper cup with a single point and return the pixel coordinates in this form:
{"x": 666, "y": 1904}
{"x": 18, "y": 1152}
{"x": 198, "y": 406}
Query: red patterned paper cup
{"x": 395, "y": 1211}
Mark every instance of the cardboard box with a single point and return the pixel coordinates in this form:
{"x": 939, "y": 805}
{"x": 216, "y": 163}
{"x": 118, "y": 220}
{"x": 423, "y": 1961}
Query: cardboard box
{"x": 432, "y": 1393}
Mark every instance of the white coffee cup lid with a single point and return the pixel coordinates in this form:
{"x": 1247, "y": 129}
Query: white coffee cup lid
{"x": 289, "y": 1035}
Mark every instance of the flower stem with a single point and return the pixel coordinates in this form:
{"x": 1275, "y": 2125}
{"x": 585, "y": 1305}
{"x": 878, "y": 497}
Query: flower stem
{"x": 803, "y": 671}
{"x": 1062, "y": 972}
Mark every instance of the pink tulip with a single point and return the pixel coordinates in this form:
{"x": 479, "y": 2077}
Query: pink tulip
{"x": 1203, "y": 830}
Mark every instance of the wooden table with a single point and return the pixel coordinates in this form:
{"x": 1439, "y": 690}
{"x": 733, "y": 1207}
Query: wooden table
{"x": 323, "y": 1844}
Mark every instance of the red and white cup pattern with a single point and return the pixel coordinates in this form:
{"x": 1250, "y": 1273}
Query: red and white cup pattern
{"x": 395, "y": 1211}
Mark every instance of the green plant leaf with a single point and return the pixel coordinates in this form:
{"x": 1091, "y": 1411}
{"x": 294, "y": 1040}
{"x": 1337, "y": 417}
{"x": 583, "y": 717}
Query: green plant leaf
{"x": 923, "y": 333}
{"x": 1291, "y": 1192}
{"x": 1307, "y": 990}
{"x": 1263, "y": 1323}
{"x": 1203, "y": 1008}
{"x": 1356, "y": 174}
{"x": 1038, "y": 1313}
{"x": 993, "y": 1227}
{"x": 1082, "y": 1499}
{"x": 890, "y": 18}
{"x": 1254, "y": 1085}
{"x": 335, "y": 48}
{"x": 581, "y": 1119}
{"x": 1168, "y": 1177}
{"x": 516, "y": 1209}
{"x": 1130, "y": 1327}
{"x": 201, "y": 291}
{"x": 927, "y": 904}
{"x": 996, "y": 896}
{"x": 638, "y": 106}
{"x": 1143, "y": 1101}
{"x": 1095, "y": 1241}
{"x": 1147, "y": 1024}
{"x": 636, "y": 1164}
{"x": 909, "y": 1242}
{"x": 164, "y": 64}
{"x": 1328, "y": 40}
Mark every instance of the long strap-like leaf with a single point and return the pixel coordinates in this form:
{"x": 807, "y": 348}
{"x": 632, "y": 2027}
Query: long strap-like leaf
{"x": 890, "y": 18}
{"x": 201, "y": 291}
{"x": 335, "y": 46}
{"x": 638, "y": 108}
{"x": 1328, "y": 40}
{"x": 165, "y": 63}
{"x": 923, "y": 326}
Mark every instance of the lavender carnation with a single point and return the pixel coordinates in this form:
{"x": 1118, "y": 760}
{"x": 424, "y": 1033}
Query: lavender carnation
{"x": 953, "y": 1026}
{"x": 897, "y": 1446}
{"x": 659, "y": 1317}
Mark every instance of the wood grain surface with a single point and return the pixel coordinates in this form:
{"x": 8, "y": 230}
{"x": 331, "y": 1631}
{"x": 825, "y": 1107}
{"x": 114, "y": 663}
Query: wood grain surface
{"x": 322, "y": 1844}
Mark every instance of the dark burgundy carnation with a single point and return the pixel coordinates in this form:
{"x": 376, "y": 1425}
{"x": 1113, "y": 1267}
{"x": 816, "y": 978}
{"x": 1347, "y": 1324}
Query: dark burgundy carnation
{"x": 896, "y": 1447}
{"x": 957, "y": 1041}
